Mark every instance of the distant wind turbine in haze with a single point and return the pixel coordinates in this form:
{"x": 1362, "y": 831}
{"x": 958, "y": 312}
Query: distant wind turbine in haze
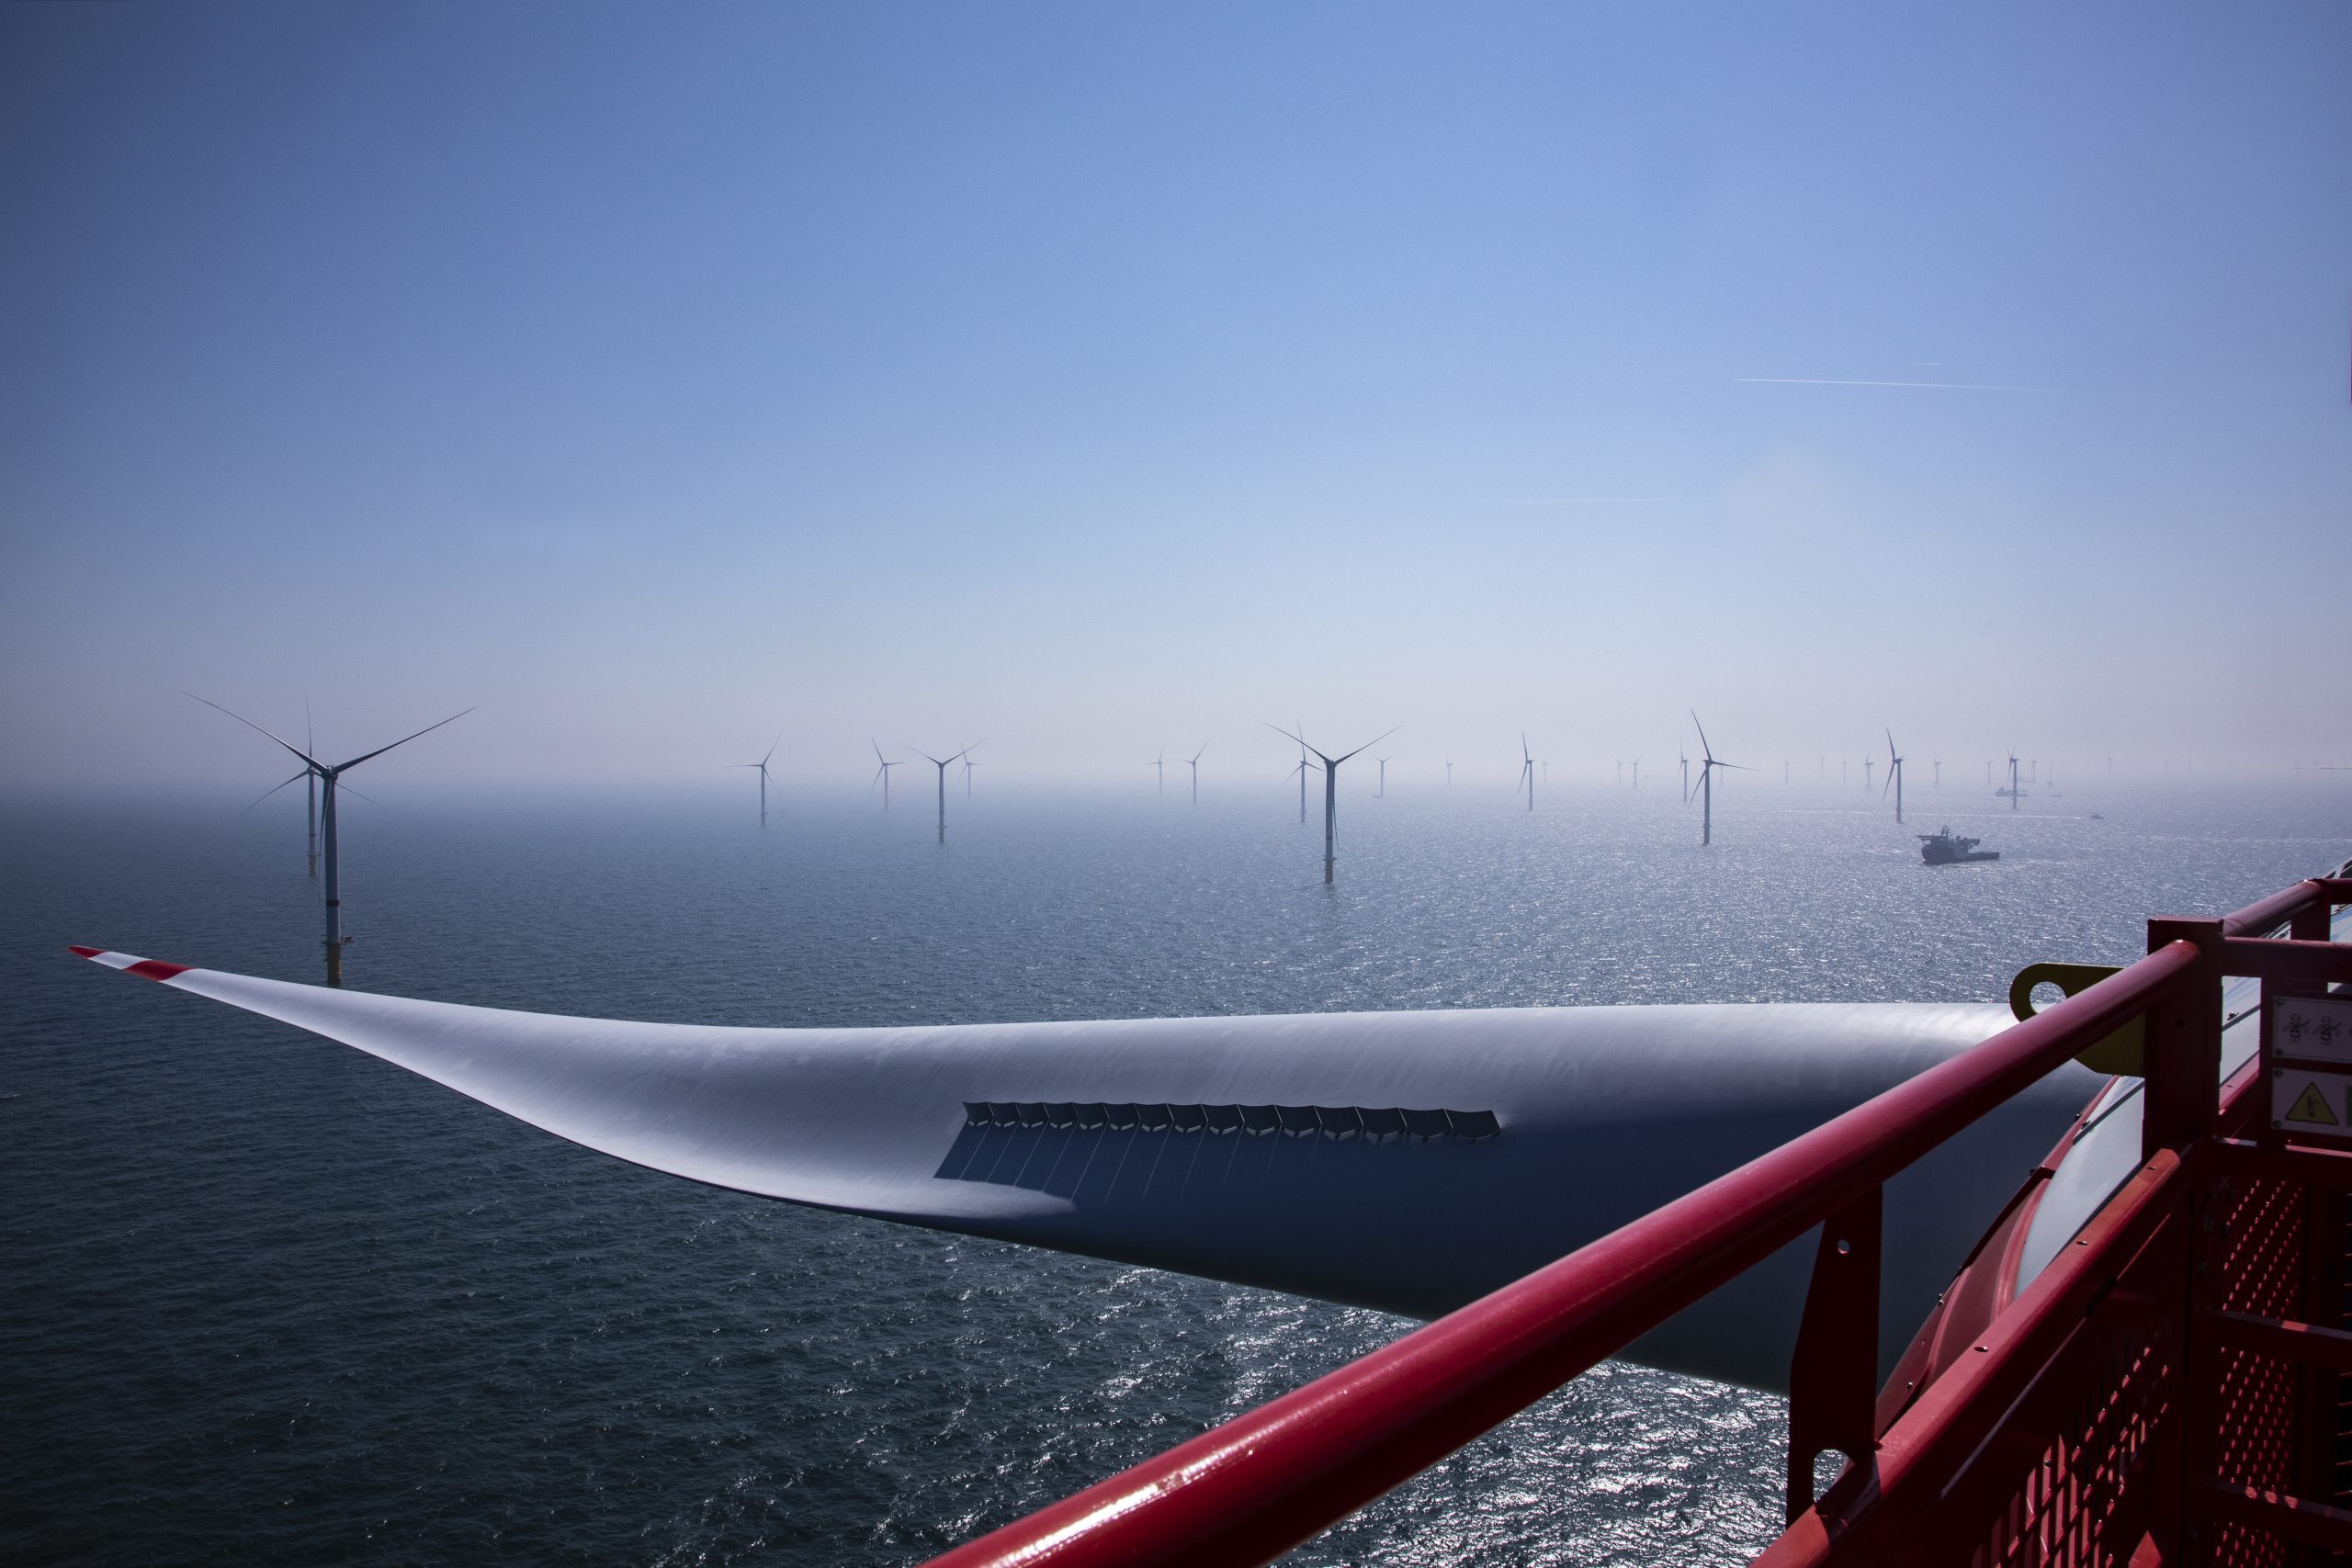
{"x": 1637, "y": 773}
{"x": 329, "y": 777}
{"x": 1302, "y": 776}
{"x": 943, "y": 764}
{"x": 883, "y": 774}
{"x": 1868, "y": 762}
{"x": 309, "y": 743}
{"x": 1707, "y": 782}
{"x": 1159, "y": 765}
{"x": 1527, "y": 770}
{"x": 1893, "y": 777}
{"x": 1331, "y": 790}
{"x": 1382, "y": 792}
{"x": 1193, "y": 763}
{"x": 969, "y": 765}
{"x": 762, "y": 767}
{"x": 1685, "y": 760}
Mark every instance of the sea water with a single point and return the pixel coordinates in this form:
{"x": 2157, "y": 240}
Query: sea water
{"x": 267, "y": 1299}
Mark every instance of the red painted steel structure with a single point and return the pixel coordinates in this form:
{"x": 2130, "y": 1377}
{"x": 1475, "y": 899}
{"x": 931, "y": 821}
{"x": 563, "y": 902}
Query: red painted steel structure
{"x": 2167, "y": 1390}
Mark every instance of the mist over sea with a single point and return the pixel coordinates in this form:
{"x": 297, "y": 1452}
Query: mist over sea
{"x": 268, "y": 1300}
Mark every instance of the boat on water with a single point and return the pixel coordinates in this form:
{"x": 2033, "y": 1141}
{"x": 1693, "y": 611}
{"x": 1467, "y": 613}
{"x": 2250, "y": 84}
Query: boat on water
{"x": 1944, "y": 847}
{"x": 2136, "y": 1359}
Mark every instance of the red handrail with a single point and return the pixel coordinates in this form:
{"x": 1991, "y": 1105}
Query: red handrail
{"x": 1258, "y": 1485}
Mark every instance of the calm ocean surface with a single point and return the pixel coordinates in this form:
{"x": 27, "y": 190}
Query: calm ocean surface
{"x": 266, "y": 1299}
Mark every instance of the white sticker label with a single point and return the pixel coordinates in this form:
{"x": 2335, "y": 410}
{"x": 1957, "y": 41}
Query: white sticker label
{"x": 2310, "y": 1104}
{"x": 2317, "y": 1029}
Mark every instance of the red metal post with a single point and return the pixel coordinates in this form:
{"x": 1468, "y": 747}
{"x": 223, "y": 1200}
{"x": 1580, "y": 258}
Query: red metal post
{"x": 2184, "y": 1041}
{"x": 1833, "y": 1378}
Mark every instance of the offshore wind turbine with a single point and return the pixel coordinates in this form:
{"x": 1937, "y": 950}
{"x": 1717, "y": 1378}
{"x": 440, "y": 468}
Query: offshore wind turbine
{"x": 1637, "y": 773}
{"x": 1893, "y": 777}
{"x": 1526, "y": 770}
{"x": 761, "y": 765}
{"x": 1686, "y": 772}
{"x": 1193, "y": 763}
{"x": 1383, "y": 794}
{"x": 309, "y": 743}
{"x": 1868, "y": 761}
{"x": 1332, "y": 788}
{"x": 1302, "y": 776}
{"x": 968, "y": 766}
{"x": 1707, "y": 782}
{"x": 1160, "y": 763}
{"x": 943, "y": 764}
{"x": 883, "y": 774}
{"x": 328, "y": 777}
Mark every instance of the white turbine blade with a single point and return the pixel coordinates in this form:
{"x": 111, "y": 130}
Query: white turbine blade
{"x": 402, "y": 741}
{"x": 772, "y": 746}
{"x": 249, "y": 724}
{"x": 275, "y": 788}
{"x": 1375, "y": 740}
{"x": 1602, "y": 1111}
{"x": 1703, "y": 747}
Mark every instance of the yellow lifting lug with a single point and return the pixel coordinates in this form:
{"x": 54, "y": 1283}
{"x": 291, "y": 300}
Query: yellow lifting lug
{"x": 2122, "y": 1053}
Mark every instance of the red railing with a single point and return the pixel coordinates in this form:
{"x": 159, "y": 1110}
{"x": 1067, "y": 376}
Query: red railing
{"x": 1249, "y": 1490}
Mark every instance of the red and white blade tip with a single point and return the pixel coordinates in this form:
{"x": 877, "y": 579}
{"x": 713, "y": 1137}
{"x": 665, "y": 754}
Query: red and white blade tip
{"x": 146, "y": 968}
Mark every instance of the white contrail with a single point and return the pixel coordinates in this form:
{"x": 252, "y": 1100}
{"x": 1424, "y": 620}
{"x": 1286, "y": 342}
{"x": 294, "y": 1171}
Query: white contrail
{"x": 1938, "y": 386}
{"x": 1602, "y": 499}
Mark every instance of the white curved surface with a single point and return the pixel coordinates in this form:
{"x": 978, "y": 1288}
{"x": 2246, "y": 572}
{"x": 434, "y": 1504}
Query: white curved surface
{"x": 1605, "y": 1113}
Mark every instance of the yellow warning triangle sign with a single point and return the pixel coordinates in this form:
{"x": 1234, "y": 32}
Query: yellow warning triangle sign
{"x": 2311, "y": 1106}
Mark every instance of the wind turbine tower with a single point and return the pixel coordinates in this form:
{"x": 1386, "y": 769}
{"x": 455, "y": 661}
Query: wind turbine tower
{"x": 1302, "y": 778}
{"x": 1894, "y": 777}
{"x": 762, "y": 768}
{"x": 1193, "y": 763}
{"x": 1383, "y": 793}
{"x": 1527, "y": 770}
{"x": 1868, "y": 761}
{"x": 328, "y": 778}
{"x": 1707, "y": 782}
{"x": 1330, "y": 791}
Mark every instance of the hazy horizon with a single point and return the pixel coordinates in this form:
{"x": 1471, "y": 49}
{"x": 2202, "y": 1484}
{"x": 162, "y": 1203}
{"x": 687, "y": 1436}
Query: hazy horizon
{"x": 1097, "y": 380}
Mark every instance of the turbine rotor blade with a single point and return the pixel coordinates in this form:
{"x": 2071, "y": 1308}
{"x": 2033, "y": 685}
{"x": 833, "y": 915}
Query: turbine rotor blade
{"x": 403, "y": 741}
{"x": 1367, "y": 745}
{"x": 249, "y": 724}
{"x": 275, "y": 788}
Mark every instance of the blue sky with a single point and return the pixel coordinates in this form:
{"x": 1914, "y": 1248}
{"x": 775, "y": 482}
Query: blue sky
{"x": 1098, "y": 376}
